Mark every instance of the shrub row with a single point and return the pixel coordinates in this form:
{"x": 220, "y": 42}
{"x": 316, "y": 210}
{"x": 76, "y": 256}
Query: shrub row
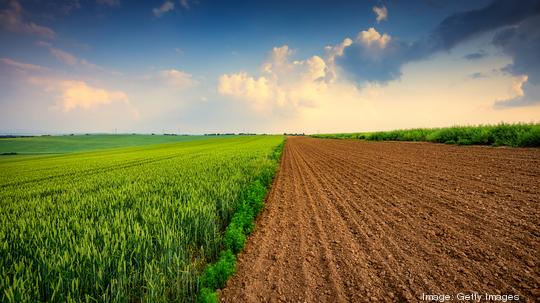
{"x": 516, "y": 135}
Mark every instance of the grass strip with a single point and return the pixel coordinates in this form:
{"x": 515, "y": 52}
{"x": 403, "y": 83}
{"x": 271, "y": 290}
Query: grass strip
{"x": 503, "y": 134}
{"x": 215, "y": 275}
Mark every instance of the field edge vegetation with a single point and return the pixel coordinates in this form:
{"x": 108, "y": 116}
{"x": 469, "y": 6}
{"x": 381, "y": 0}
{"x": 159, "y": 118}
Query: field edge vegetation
{"x": 503, "y": 134}
{"x": 251, "y": 203}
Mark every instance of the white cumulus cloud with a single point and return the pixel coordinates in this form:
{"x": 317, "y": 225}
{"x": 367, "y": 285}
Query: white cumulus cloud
{"x": 78, "y": 94}
{"x": 285, "y": 85}
{"x": 381, "y": 13}
{"x": 243, "y": 86}
{"x": 372, "y": 37}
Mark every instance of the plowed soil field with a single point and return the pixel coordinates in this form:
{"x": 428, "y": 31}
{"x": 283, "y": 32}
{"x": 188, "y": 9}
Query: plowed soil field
{"x": 353, "y": 221}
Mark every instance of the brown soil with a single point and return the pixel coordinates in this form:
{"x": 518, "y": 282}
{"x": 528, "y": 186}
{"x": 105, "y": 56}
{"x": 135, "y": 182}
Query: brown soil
{"x": 352, "y": 221}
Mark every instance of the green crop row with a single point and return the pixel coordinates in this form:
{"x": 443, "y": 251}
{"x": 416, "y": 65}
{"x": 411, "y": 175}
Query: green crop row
{"x": 133, "y": 224}
{"x": 516, "y": 135}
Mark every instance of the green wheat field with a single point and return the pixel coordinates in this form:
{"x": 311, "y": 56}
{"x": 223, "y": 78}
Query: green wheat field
{"x": 130, "y": 224}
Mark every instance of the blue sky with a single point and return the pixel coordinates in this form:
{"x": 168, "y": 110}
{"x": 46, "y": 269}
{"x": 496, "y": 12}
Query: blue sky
{"x": 265, "y": 66}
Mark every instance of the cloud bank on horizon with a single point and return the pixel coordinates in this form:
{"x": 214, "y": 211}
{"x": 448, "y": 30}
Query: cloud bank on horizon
{"x": 479, "y": 61}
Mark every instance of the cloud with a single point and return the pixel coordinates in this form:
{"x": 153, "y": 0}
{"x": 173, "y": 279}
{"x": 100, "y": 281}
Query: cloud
{"x": 12, "y": 19}
{"x": 383, "y": 65}
{"x": 109, "y": 2}
{"x": 178, "y": 78}
{"x": 331, "y": 53}
{"x": 71, "y": 60}
{"x": 242, "y": 86}
{"x": 522, "y": 43}
{"x": 71, "y": 94}
{"x": 43, "y": 43}
{"x": 381, "y": 13}
{"x": 477, "y": 75}
{"x": 78, "y": 94}
{"x": 165, "y": 7}
{"x": 462, "y": 26}
{"x": 279, "y": 67}
{"x": 525, "y": 94}
{"x": 285, "y": 86}
{"x": 64, "y": 56}
{"x": 374, "y": 57}
{"x": 372, "y": 38}
{"x": 184, "y": 4}
{"x": 169, "y": 6}
{"x": 67, "y": 7}
{"x": 475, "y": 56}
{"x": 24, "y": 66}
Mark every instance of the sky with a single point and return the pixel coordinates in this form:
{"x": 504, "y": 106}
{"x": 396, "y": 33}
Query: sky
{"x": 201, "y": 66}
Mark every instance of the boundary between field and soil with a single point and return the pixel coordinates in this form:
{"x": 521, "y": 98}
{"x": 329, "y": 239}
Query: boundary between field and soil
{"x": 251, "y": 203}
{"x": 503, "y": 134}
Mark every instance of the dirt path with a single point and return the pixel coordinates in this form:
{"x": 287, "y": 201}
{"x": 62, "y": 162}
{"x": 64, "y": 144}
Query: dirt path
{"x": 351, "y": 221}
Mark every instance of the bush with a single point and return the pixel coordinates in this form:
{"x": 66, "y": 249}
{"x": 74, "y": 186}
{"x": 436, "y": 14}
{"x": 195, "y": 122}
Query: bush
{"x": 530, "y": 138}
{"x": 505, "y": 134}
